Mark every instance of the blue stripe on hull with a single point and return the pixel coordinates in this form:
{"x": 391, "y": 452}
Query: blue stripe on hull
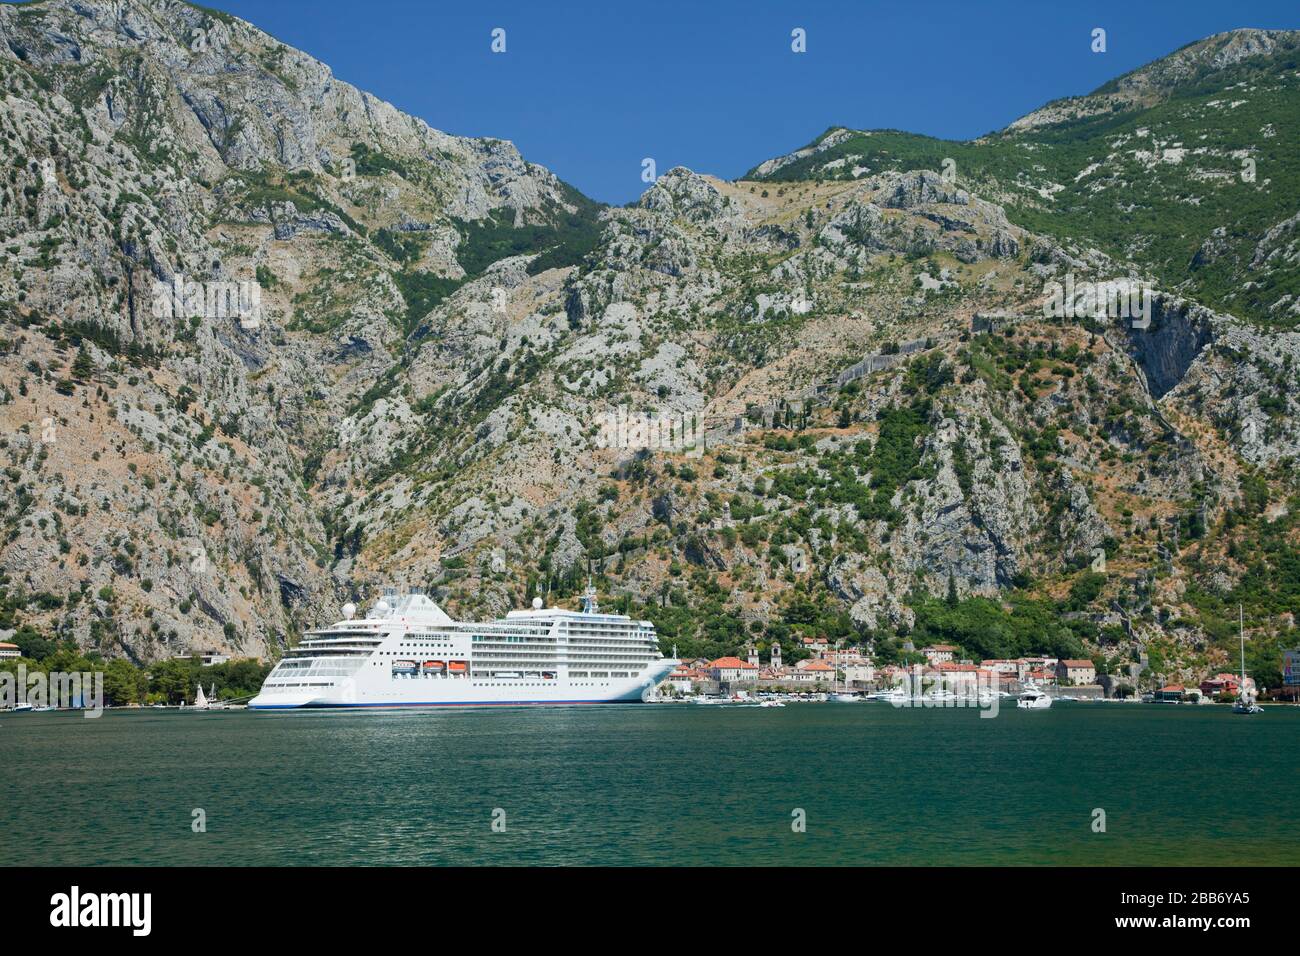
{"x": 445, "y": 703}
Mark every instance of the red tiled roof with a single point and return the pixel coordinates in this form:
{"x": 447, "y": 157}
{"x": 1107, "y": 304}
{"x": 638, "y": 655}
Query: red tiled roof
{"x": 1077, "y": 663}
{"x": 730, "y": 663}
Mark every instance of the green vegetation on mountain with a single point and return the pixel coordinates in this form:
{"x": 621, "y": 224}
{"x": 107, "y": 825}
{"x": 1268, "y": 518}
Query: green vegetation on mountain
{"x": 562, "y": 240}
{"x": 1215, "y": 159}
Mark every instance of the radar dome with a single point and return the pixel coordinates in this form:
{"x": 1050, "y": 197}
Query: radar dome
{"x": 349, "y": 610}
{"x": 537, "y": 604}
{"x": 382, "y": 608}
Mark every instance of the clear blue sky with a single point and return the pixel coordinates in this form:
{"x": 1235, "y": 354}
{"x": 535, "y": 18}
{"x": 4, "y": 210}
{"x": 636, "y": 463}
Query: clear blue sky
{"x": 589, "y": 89}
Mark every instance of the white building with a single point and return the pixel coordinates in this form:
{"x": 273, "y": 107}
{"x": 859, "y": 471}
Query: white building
{"x": 939, "y": 653}
{"x": 725, "y": 670}
{"x": 857, "y": 670}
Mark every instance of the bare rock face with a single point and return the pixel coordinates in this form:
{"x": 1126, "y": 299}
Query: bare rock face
{"x": 680, "y": 193}
{"x": 1246, "y": 381}
{"x": 1081, "y": 527}
{"x": 946, "y": 219}
{"x": 921, "y": 187}
{"x": 170, "y": 147}
{"x": 973, "y": 530}
{"x": 1177, "y": 333}
{"x": 866, "y": 589}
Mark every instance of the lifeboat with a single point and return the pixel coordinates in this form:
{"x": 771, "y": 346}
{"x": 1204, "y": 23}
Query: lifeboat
{"x": 457, "y": 667}
{"x": 434, "y": 667}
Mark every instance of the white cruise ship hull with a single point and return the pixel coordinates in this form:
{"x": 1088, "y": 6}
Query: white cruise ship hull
{"x": 409, "y": 653}
{"x": 447, "y": 692}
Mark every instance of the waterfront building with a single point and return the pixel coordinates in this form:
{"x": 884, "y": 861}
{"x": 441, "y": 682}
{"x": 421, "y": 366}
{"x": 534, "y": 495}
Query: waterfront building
{"x": 727, "y": 670}
{"x": 1075, "y": 672}
{"x": 683, "y": 679}
{"x": 939, "y": 653}
{"x": 207, "y": 658}
{"x": 1220, "y": 684}
{"x": 815, "y": 671}
{"x": 857, "y": 670}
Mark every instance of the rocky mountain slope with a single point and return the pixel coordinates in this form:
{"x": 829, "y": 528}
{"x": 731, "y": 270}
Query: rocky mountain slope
{"x": 1187, "y": 165}
{"x": 897, "y": 444}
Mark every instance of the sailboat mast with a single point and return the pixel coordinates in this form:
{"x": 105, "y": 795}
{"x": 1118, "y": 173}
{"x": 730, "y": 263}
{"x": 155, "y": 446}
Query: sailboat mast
{"x": 1241, "y": 630}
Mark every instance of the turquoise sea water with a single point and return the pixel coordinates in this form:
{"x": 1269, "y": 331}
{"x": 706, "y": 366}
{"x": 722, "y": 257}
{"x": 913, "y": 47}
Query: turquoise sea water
{"x": 671, "y": 784}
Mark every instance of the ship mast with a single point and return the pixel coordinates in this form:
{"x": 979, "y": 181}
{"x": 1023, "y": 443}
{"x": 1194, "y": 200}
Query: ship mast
{"x": 589, "y": 605}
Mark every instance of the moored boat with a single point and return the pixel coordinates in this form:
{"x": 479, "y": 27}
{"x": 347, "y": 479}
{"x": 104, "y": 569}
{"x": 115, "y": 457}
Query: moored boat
{"x": 1032, "y": 697}
{"x": 1245, "y": 702}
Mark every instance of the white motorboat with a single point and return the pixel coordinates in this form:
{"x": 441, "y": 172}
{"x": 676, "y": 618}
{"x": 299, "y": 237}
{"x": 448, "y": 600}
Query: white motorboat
{"x": 896, "y": 695}
{"x": 1033, "y": 698}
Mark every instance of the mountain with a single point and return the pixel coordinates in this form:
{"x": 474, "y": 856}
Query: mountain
{"x": 151, "y": 142}
{"x": 898, "y": 446}
{"x": 1187, "y": 167}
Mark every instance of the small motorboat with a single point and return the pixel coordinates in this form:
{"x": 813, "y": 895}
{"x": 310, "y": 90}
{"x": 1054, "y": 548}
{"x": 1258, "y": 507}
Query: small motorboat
{"x": 1033, "y": 698}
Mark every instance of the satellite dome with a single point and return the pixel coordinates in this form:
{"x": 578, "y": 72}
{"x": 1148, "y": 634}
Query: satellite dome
{"x": 349, "y": 610}
{"x": 382, "y": 608}
{"x": 537, "y": 604}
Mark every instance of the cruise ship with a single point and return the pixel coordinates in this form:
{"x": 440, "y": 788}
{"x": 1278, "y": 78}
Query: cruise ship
{"x": 406, "y": 652}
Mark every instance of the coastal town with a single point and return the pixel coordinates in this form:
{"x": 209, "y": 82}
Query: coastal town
{"x": 817, "y": 668}
{"x": 850, "y": 670}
